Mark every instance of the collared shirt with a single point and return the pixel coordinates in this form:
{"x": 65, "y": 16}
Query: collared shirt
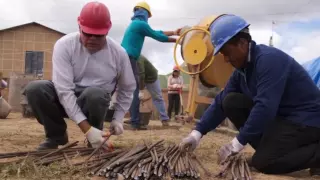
{"x": 74, "y": 66}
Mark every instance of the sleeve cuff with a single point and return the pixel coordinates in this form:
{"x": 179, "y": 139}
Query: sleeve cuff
{"x": 200, "y": 130}
{"x": 241, "y": 139}
{"x": 118, "y": 115}
{"x": 196, "y": 134}
{"x": 78, "y": 118}
{"x": 237, "y": 146}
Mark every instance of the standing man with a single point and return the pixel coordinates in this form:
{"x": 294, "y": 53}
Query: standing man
{"x": 86, "y": 66}
{"x": 134, "y": 38}
{"x": 270, "y": 99}
{"x": 148, "y": 78}
{"x": 136, "y": 32}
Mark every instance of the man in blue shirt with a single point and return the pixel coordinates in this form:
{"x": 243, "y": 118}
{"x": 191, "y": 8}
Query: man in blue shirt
{"x": 271, "y": 100}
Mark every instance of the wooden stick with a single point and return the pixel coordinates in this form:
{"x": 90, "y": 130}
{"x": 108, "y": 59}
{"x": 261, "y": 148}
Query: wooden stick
{"x": 94, "y": 152}
{"x": 58, "y": 150}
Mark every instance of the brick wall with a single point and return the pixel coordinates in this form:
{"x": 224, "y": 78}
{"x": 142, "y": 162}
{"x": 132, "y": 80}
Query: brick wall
{"x": 16, "y": 41}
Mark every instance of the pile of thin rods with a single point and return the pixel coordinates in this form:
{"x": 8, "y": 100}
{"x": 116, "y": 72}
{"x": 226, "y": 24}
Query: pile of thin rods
{"x": 153, "y": 161}
{"x": 46, "y": 157}
{"x": 237, "y": 166}
{"x": 146, "y": 161}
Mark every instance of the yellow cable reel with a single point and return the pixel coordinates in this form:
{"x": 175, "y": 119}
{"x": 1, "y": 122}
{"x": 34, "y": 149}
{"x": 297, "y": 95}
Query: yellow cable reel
{"x": 197, "y": 55}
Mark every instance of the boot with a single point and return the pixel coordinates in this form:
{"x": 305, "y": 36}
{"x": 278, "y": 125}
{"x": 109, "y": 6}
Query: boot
{"x": 53, "y": 143}
{"x": 138, "y": 127}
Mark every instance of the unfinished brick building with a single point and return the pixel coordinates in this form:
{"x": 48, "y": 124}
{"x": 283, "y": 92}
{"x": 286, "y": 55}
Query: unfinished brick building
{"x": 27, "y": 49}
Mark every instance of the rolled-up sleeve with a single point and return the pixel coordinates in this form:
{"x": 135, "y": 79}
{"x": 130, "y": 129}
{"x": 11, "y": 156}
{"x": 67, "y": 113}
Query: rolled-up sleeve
{"x": 125, "y": 87}
{"x": 62, "y": 77}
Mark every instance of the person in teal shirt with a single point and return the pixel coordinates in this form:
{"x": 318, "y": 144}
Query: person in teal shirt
{"x": 133, "y": 40}
{"x": 138, "y": 29}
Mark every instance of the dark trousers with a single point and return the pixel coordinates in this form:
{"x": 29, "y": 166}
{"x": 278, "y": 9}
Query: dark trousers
{"x": 173, "y": 101}
{"x": 284, "y": 146}
{"x": 44, "y": 102}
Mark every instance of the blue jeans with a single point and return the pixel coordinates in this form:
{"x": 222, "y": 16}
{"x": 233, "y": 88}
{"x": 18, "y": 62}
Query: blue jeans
{"x": 157, "y": 99}
{"x": 135, "y": 109}
{"x": 135, "y": 105}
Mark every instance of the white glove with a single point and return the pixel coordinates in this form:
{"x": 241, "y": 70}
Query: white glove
{"x": 191, "y": 141}
{"x": 141, "y": 95}
{"x": 227, "y": 150}
{"x": 116, "y": 127}
{"x": 96, "y": 137}
{"x": 236, "y": 145}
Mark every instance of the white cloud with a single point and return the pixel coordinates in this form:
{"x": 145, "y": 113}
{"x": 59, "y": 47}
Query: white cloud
{"x": 169, "y": 15}
{"x": 306, "y": 48}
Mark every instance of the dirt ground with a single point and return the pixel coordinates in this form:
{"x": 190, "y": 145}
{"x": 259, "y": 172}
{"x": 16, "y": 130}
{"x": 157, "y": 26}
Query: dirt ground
{"x": 19, "y": 134}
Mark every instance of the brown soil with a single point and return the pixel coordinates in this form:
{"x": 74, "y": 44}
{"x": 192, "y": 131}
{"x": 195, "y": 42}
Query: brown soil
{"x": 20, "y": 134}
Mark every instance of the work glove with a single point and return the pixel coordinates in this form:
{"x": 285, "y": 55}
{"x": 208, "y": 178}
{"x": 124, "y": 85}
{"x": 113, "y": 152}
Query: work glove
{"x": 229, "y": 149}
{"x": 116, "y": 127}
{"x": 96, "y": 137}
{"x": 141, "y": 95}
{"x": 191, "y": 141}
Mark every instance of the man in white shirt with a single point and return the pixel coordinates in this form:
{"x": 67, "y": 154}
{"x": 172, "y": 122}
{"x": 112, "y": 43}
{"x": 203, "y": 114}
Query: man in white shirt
{"x": 87, "y": 67}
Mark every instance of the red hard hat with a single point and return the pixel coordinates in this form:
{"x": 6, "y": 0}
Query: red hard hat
{"x": 176, "y": 68}
{"x": 95, "y": 19}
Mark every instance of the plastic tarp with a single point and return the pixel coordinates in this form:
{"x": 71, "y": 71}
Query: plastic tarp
{"x": 313, "y": 68}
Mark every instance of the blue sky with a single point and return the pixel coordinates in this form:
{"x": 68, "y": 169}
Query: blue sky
{"x": 299, "y": 39}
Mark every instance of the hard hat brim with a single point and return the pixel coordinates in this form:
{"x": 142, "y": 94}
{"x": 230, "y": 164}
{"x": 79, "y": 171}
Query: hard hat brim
{"x": 88, "y": 30}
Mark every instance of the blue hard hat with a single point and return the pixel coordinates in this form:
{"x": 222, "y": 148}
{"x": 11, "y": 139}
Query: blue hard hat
{"x": 224, "y": 28}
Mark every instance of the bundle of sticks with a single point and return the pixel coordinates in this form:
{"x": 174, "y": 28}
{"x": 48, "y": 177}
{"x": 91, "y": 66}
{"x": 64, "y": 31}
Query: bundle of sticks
{"x": 237, "y": 166}
{"x": 146, "y": 161}
{"x": 46, "y": 157}
{"x": 154, "y": 161}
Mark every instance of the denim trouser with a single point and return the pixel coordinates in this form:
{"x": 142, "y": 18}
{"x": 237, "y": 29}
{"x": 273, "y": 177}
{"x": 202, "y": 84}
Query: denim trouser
{"x": 135, "y": 105}
{"x": 155, "y": 92}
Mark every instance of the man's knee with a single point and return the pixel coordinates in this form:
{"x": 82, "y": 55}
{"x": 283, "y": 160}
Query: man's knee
{"x": 262, "y": 164}
{"x": 94, "y": 95}
{"x": 35, "y": 89}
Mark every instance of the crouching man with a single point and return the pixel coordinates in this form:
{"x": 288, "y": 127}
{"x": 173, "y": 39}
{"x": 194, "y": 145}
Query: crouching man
{"x": 270, "y": 99}
{"x": 87, "y": 65}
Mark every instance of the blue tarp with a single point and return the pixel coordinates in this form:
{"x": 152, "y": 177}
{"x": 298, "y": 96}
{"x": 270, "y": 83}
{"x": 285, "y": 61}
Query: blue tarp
{"x": 313, "y": 68}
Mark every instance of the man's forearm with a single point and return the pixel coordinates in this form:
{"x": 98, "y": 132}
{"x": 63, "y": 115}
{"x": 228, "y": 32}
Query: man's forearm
{"x": 84, "y": 126}
{"x": 169, "y": 33}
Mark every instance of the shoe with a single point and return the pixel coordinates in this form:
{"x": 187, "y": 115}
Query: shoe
{"x": 53, "y": 143}
{"x": 314, "y": 171}
{"x": 127, "y": 121}
{"x": 165, "y": 123}
{"x": 138, "y": 127}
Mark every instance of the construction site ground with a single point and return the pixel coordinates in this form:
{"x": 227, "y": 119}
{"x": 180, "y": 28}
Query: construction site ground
{"x": 21, "y": 134}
